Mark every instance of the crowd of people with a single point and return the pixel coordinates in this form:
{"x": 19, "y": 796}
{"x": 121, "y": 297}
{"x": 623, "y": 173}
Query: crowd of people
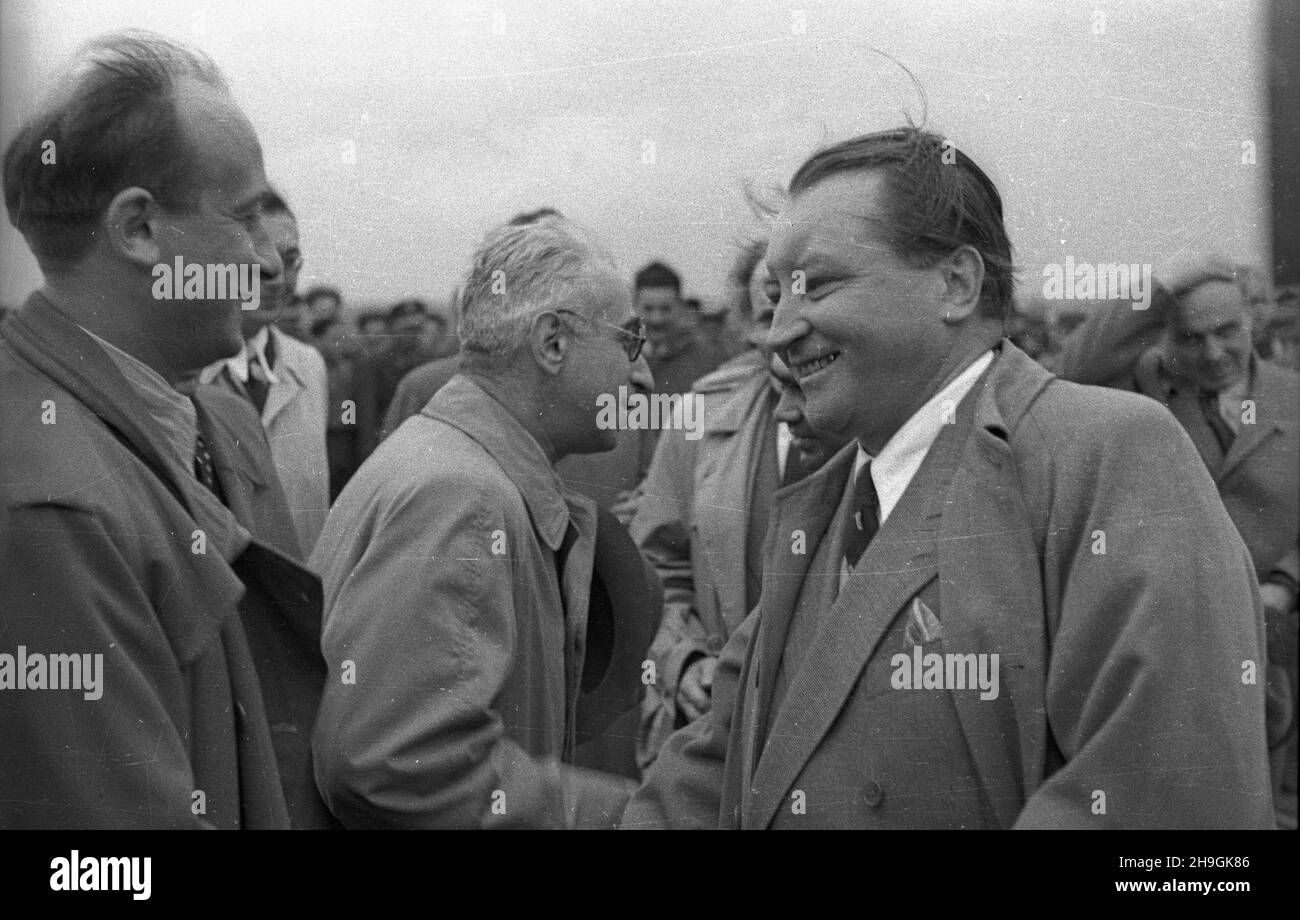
{"x": 900, "y": 557}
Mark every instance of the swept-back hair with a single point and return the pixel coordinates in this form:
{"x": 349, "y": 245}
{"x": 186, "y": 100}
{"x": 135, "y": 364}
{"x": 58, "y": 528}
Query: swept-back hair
{"x": 110, "y": 124}
{"x": 937, "y": 199}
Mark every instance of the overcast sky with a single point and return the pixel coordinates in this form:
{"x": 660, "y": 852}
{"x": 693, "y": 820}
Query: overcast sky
{"x": 644, "y": 120}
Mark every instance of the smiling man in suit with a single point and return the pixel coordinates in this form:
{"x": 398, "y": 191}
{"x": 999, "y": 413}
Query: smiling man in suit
{"x": 1013, "y": 602}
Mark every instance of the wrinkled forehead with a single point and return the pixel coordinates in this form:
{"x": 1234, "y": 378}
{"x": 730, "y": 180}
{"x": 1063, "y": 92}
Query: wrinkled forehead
{"x": 839, "y": 220}
{"x": 1210, "y": 305}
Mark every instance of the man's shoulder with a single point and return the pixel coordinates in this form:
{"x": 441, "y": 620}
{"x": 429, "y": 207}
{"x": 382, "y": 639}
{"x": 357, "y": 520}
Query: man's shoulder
{"x": 54, "y": 449}
{"x": 432, "y": 457}
{"x": 429, "y": 377}
{"x": 299, "y": 355}
{"x": 60, "y": 456}
{"x": 732, "y": 375}
{"x": 1081, "y": 414}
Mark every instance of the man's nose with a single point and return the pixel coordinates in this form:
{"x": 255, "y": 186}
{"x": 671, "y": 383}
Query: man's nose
{"x": 267, "y": 256}
{"x": 639, "y": 375}
{"x": 787, "y": 328}
{"x": 1214, "y": 350}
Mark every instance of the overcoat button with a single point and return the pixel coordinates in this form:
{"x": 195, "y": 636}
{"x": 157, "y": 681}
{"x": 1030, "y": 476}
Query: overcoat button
{"x": 873, "y": 793}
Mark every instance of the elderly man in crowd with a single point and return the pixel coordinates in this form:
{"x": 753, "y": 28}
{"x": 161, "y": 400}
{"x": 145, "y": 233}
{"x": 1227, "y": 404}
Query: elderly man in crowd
{"x": 458, "y": 571}
{"x": 703, "y": 508}
{"x": 144, "y": 530}
{"x": 1012, "y": 602}
{"x": 1192, "y": 352}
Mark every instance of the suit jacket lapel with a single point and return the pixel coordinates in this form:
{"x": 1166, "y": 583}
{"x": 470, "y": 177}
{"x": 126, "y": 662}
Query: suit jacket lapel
{"x": 898, "y": 562}
{"x": 901, "y": 558}
{"x": 807, "y": 506}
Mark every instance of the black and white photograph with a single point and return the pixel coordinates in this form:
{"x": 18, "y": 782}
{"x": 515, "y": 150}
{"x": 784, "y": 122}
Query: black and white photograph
{"x": 563, "y": 415}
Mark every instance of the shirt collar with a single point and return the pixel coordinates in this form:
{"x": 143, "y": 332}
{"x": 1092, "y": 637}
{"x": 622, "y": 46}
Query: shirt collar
{"x": 239, "y": 365}
{"x": 467, "y": 406}
{"x": 894, "y": 467}
{"x": 170, "y": 409}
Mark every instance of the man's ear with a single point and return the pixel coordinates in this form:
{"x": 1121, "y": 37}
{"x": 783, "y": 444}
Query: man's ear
{"x": 963, "y": 276}
{"x": 131, "y": 223}
{"x": 550, "y": 340}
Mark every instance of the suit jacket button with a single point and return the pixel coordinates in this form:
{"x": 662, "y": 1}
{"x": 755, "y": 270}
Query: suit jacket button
{"x": 715, "y": 644}
{"x": 873, "y": 793}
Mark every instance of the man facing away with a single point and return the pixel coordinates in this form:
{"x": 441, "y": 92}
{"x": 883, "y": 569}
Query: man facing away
{"x": 117, "y": 544}
{"x": 458, "y": 569}
{"x": 285, "y": 382}
{"x": 1013, "y": 602}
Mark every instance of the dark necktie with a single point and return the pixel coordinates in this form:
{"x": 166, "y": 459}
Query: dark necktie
{"x": 863, "y": 519}
{"x": 258, "y": 385}
{"x": 205, "y": 470}
{"x": 1222, "y": 430}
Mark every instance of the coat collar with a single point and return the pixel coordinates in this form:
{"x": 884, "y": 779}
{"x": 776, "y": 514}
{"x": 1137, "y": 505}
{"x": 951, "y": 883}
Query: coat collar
{"x": 465, "y": 405}
{"x": 59, "y": 349}
{"x": 64, "y": 352}
{"x": 1268, "y": 388}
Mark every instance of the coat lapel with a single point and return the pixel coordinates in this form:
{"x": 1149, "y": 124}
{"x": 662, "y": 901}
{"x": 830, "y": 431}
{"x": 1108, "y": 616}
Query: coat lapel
{"x": 898, "y": 562}
{"x": 62, "y": 351}
{"x": 283, "y": 393}
{"x": 1271, "y": 418}
{"x": 807, "y": 506}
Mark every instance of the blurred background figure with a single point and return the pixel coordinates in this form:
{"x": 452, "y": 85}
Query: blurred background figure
{"x": 323, "y": 302}
{"x": 286, "y": 383}
{"x": 720, "y": 329}
{"x": 1282, "y": 329}
{"x": 1193, "y": 351}
{"x": 292, "y": 320}
{"x": 373, "y": 324}
{"x": 354, "y": 410}
{"x": 677, "y": 354}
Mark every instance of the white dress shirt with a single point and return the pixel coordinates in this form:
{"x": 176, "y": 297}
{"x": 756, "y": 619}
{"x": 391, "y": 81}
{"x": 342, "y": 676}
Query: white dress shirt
{"x": 240, "y": 366}
{"x": 893, "y": 469}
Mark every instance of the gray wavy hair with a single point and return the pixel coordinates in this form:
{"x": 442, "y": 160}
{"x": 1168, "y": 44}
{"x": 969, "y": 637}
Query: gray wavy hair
{"x": 518, "y": 272}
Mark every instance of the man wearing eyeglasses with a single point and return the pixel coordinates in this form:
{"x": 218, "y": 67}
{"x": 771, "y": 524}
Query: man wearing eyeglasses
{"x": 459, "y": 571}
{"x": 285, "y": 380}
